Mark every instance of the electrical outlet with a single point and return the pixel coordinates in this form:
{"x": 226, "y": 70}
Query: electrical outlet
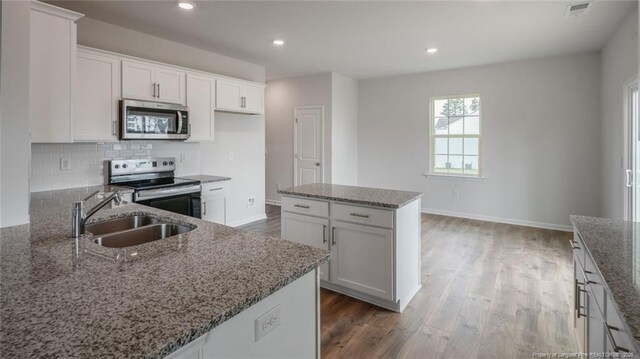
{"x": 183, "y": 157}
{"x": 267, "y": 322}
{"x": 251, "y": 202}
{"x": 230, "y": 155}
{"x": 65, "y": 164}
{"x": 456, "y": 194}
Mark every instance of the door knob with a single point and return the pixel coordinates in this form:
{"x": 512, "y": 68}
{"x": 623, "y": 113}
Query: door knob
{"x": 317, "y": 163}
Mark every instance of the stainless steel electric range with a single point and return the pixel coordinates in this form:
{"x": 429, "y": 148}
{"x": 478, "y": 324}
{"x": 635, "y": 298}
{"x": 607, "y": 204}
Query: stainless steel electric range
{"x": 154, "y": 184}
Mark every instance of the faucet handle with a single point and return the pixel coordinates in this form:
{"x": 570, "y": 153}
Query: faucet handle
{"x": 118, "y": 197}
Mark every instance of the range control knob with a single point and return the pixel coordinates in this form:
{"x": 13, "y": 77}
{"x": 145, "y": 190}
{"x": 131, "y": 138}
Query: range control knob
{"x": 164, "y": 163}
{"x": 171, "y": 163}
{"x": 117, "y": 166}
{"x": 124, "y": 165}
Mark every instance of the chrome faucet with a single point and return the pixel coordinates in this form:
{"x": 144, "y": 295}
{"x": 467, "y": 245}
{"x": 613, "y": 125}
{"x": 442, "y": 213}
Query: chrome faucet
{"x": 79, "y": 216}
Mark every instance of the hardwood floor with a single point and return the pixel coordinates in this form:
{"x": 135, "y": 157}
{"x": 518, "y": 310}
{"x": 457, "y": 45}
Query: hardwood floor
{"x": 489, "y": 290}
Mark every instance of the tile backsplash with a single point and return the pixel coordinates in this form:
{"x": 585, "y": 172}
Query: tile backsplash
{"x": 87, "y": 161}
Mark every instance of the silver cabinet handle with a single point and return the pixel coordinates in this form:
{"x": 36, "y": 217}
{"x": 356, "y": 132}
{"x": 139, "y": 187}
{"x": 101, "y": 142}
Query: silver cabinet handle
{"x": 189, "y": 129}
{"x": 324, "y": 233}
{"x": 158, "y": 90}
{"x": 204, "y": 206}
{"x": 215, "y": 189}
{"x": 154, "y": 89}
{"x": 113, "y": 128}
{"x": 573, "y": 244}
{"x": 302, "y": 206}
{"x": 578, "y": 302}
{"x": 333, "y": 236}
{"x": 587, "y": 278}
{"x": 616, "y": 348}
{"x": 360, "y": 215}
{"x": 628, "y": 174}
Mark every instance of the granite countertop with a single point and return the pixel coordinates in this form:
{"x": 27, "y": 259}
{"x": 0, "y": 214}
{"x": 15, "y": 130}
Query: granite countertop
{"x": 75, "y": 299}
{"x": 376, "y": 197}
{"x": 614, "y": 245}
{"x": 206, "y": 178}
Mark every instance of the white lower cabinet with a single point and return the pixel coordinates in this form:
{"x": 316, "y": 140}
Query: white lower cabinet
{"x": 214, "y": 202}
{"x": 308, "y": 230}
{"x": 296, "y": 333}
{"x": 375, "y": 252}
{"x": 363, "y": 258}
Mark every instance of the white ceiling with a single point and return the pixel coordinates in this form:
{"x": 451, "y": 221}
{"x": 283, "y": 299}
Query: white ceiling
{"x": 366, "y": 39}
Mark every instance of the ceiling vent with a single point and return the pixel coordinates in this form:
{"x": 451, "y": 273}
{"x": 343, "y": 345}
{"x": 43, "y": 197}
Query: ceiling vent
{"x": 578, "y": 9}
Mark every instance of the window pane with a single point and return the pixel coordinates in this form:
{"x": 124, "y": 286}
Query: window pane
{"x": 471, "y": 106}
{"x": 441, "y": 125}
{"x": 472, "y": 125}
{"x": 455, "y": 164}
{"x": 471, "y": 165}
{"x": 455, "y": 146}
{"x": 456, "y": 107}
{"x": 440, "y": 146}
{"x": 440, "y": 108}
{"x": 455, "y": 126}
{"x": 471, "y": 146}
{"x": 440, "y": 164}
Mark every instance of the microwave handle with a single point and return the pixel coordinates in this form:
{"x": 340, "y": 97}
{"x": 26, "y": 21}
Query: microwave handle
{"x": 179, "y": 122}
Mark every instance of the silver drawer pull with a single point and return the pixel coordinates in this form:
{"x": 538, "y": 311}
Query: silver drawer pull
{"x": 324, "y": 233}
{"x": 301, "y": 206}
{"x": 572, "y": 243}
{"x": 214, "y": 189}
{"x": 587, "y": 278}
{"x": 616, "y": 348}
{"x": 360, "y": 215}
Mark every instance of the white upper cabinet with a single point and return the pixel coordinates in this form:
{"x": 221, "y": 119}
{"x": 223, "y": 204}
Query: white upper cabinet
{"x": 236, "y": 96}
{"x": 201, "y": 99}
{"x": 52, "y": 71}
{"x": 98, "y": 94}
{"x": 150, "y": 82}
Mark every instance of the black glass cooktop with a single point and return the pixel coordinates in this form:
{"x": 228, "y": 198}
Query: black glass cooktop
{"x": 158, "y": 183}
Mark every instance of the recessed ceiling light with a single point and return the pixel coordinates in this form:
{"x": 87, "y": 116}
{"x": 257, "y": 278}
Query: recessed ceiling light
{"x": 186, "y": 5}
{"x": 278, "y": 42}
{"x": 432, "y": 50}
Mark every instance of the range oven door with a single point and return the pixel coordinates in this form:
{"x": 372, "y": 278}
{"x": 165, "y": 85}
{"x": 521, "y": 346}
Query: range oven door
{"x": 181, "y": 200}
{"x": 153, "y": 121}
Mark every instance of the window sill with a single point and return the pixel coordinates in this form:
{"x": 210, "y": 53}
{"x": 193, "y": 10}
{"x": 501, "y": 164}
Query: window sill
{"x": 454, "y": 177}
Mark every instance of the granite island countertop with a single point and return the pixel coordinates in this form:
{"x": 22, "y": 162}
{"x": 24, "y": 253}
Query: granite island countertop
{"x": 75, "y": 299}
{"x": 614, "y": 245}
{"x": 376, "y": 197}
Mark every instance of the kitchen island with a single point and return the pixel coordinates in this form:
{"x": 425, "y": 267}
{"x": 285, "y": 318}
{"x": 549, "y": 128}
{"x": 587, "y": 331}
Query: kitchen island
{"x": 179, "y": 296}
{"x": 373, "y": 234}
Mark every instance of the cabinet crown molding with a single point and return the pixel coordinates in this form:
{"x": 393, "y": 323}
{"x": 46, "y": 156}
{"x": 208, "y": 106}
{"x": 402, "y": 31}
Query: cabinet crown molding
{"x": 55, "y": 11}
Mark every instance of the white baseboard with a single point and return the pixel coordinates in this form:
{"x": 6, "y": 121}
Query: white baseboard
{"x": 479, "y": 217}
{"x": 242, "y": 222}
{"x": 272, "y": 202}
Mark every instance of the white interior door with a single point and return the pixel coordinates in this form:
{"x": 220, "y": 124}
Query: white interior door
{"x": 308, "y": 140}
{"x": 632, "y": 172}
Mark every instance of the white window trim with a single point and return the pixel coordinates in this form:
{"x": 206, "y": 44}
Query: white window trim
{"x": 431, "y": 173}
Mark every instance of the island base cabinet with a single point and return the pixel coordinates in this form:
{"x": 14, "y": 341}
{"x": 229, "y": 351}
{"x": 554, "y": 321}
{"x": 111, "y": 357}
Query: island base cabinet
{"x": 307, "y": 230}
{"x": 363, "y": 259}
{"x": 296, "y": 334}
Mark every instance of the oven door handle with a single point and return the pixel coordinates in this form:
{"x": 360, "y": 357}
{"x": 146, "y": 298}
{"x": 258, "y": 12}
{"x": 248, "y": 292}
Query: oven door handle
{"x": 165, "y": 192}
{"x": 179, "y": 122}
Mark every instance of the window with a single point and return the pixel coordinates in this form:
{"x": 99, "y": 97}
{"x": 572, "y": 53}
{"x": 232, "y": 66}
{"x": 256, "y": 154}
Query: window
{"x": 455, "y": 136}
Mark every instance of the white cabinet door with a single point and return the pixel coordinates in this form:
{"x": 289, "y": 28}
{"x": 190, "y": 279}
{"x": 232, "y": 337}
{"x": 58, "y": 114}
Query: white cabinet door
{"x": 253, "y": 99}
{"x": 201, "y": 99}
{"x": 170, "y": 85}
{"x": 214, "y": 209}
{"x": 362, "y": 259}
{"x": 311, "y": 231}
{"x": 98, "y": 92}
{"x": 52, "y": 63}
{"x": 138, "y": 81}
{"x": 228, "y": 95}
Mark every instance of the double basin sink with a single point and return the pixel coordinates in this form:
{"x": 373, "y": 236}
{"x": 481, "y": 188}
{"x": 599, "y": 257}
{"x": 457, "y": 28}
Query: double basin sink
{"x": 132, "y": 231}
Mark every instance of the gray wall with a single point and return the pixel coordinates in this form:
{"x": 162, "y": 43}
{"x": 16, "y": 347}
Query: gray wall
{"x": 14, "y": 89}
{"x": 541, "y": 139}
{"x": 619, "y": 65}
{"x": 282, "y": 96}
{"x": 344, "y": 130}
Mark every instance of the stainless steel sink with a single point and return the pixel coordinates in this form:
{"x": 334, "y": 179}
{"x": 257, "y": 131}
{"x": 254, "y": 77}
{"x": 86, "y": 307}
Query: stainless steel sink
{"x": 120, "y": 224}
{"x": 140, "y": 235}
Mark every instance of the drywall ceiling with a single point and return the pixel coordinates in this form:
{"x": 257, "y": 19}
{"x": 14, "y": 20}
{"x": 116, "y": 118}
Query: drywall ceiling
{"x": 366, "y": 39}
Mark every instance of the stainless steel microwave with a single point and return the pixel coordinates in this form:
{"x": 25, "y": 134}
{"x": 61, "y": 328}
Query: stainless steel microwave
{"x": 144, "y": 120}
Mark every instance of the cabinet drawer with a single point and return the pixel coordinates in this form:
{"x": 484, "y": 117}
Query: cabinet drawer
{"x": 305, "y": 206}
{"x": 213, "y": 187}
{"x": 618, "y": 338}
{"x": 363, "y": 215}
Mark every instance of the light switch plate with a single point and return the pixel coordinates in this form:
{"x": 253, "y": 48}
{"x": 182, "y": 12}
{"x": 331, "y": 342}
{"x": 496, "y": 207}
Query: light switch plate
{"x": 65, "y": 164}
{"x": 267, "y": 322}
